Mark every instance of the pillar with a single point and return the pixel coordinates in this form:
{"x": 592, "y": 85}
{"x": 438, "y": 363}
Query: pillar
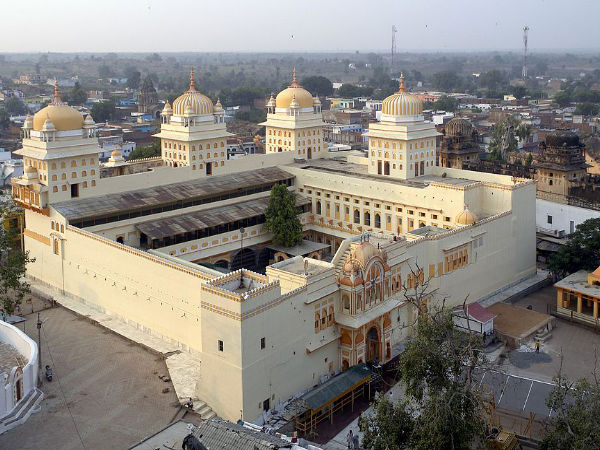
{"x": 559, "y": 296}
{"x": 595, "y": 309}
{"x": 579, "y": 303}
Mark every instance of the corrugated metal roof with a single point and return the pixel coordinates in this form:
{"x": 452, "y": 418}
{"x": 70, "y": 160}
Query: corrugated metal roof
{"x": 222, "y": 435}
{"x": 206, "y": 218}
{"x": 336, "y": 386}
{"x": 112, "y": 204}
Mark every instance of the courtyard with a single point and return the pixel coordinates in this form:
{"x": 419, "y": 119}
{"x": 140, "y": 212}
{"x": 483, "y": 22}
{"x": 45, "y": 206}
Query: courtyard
{"x": 106, "y": 392}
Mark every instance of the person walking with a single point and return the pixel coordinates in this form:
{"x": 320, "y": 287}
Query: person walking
{"x": 537, "y": 346}
{"x": 350, "y": 439}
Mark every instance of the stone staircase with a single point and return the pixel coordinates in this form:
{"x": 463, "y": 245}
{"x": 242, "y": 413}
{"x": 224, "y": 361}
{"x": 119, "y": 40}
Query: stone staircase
{"x": 340, "y": 263}
{"x": 203, "y": 410}
{"x": 25, "y": 408}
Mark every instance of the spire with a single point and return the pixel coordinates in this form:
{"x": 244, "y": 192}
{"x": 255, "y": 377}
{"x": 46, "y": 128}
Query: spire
{"x": 192, "y": 87}
{"x": 294, "y": 80}
{"x": 57, "y": 100}
{"x": 401, "y": 82}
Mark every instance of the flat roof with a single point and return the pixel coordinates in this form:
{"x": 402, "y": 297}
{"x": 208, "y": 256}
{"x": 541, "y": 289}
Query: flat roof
{"x": 517, "y": 322}
{"x": 207, "y": 218}
{"x": 578, "y": 281}
{"x": 301, "y": 249}
{"x": 343, "y": 167}
{"x": 156, "y": 196}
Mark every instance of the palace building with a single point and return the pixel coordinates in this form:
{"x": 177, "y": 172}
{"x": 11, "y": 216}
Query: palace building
{"x": 177, "y": 246}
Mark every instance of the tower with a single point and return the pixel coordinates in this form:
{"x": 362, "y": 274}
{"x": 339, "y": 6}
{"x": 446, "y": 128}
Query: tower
{"x": 525, "y": 32}
{"x": 394, "y": 30}
{"x": 60, "y": 156}
{"x": 402, "y": 144}
{"x": 193, "y": 133}
{"x": 294, "y": 122}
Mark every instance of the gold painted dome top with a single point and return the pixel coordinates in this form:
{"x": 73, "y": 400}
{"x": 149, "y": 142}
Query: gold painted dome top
{"x": 466, "y": 217}
{"x": 62, "y": 116}
{"x": 303, "y": 97}
{"x": 193, "y": 101}
{"x": 402, "y": 103}
{"x": 363, "y": 252}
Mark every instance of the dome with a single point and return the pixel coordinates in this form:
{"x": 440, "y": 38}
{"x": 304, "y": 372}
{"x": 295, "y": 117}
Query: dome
{"x": 28, "y": 122}
{"x": 317, "y": 101}
{"x": 294, "y": 90}
{"x": 363, "y": 252}
{"x": 167, "y": 110}
{"x": 466, "y": 217}
{"x": 63, "y": 116}
{"x": 115, "y": 152}
{"x": 88, "y": 120}
{"x": 458, "y": 127}
{"x": 402, "y": 104}
{"x": 351, "y": 281}
{"x": 199, "y": 104}
{"x": 351, "y": 266}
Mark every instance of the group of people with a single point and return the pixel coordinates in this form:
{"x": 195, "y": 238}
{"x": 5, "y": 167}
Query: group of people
{"x": 352, "y": 440}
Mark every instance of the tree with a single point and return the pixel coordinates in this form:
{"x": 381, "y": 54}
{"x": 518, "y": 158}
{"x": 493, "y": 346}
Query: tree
{"x": 582, "y": 250}
{"x": 563, "y": 98}
{"x": 388, "y": 427}
{"x": 77, "y": 95}
{"x": 103, "y": 111}
{"x": 446, "y": 103}
{"x": 528, "y": 160}
{"x": 494, "y": 79}
{"x": 4, "y": 119}
{"x": 318, "y": 85}
{"x": 14, "y": 106}
{"x": 148, "y": 151}
{"x": 282, "y": 217}
{"x": 446, "y": 81}
{"x": 503, "y": 138}
{"x": 574, "y": 422}
{"x": 587, "y": 109}
{"x": 13, "y": 262}
{"x": 519, "y": 92}
{"x": 133, "y": 77}
{"x": 443, "y": 407}
{"x": 104, "y": 71}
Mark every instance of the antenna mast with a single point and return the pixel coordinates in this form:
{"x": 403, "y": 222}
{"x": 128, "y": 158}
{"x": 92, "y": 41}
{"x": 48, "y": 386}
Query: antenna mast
{"x": 525, "y": 31}
{"x": 394, "y": 30}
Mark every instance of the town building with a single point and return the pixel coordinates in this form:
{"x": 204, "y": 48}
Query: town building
{"x": 147, "y": 99}
{"x": 151, "y": 247}
{"x": 460, "y": 144}
{"x": 578, "y": 296}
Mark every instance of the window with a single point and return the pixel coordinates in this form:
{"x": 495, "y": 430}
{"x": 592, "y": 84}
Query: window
{"x": 549, "y": 220}
{"x": 266, "y": 405}
{"x": 220, "y": 345}
{"x": 262, "y": 343}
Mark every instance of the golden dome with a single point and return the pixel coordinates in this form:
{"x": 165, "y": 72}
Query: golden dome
{"x": 115, "y": 152}
{"x": 402, "y": 104}
{"x": 63, "y": 116}
{"x": 466, "y": 217}
{"x": 198, "y": 103}
{"x": 303, "y": 97}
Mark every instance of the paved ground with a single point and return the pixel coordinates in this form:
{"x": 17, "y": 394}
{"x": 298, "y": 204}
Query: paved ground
{"x": 574, "y": 343}
{"x": 105, "y": 395}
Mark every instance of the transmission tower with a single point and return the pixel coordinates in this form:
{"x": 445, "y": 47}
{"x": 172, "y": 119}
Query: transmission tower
{"x": 525, "y": 31}
{"x": 394, "y": 30}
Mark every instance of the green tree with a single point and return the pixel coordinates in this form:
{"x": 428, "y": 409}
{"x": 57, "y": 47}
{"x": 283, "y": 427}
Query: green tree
{"x": 504, "y": 135}
{"x": 147, "y": 151}
{"x": 562, "y": 98}
{"x": 447, "y": 81}
{"x": 582, "y": 250}
{"x": 104, "y": 71}
{"x": 133, "y": 77}
{"x": 103, "y": 111}
{"x": 77, "y": 95}
{"x": 587, "y": 109}
{"x": 494, "y": 79}
{"x": 528, "y": 160}
{"x": 14, "y": 106}
{"x": 519, "y": 92}
{"x": 318, "y": 85}
{"x": 282, "y": 217}
{"x": 13, "y": 262}
{"x": 388, "y": 427}
{"x": 446, "y": 103}
{"x": 574, "y": 423}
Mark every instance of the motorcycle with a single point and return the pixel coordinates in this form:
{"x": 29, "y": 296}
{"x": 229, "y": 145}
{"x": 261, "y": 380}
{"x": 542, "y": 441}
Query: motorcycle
{"x": 48, "y": 373}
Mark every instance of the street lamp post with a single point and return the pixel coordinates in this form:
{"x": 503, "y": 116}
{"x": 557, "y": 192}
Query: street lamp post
{"x": 39, "y": 328}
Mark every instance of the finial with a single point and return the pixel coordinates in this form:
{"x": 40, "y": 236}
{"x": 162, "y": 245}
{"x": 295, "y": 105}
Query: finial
{"x": 401, "y": 82}
{"x": 294, "y": 80}
{"x": 57, "y": 100}
{"x": 192, "y": 86}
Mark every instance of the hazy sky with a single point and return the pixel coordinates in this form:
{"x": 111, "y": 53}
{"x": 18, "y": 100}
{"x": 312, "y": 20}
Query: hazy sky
{"x": 295, "y": 26}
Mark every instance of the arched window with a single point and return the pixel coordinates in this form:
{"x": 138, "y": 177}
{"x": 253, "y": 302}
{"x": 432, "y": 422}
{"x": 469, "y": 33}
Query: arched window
{"x": 318, "y": 207}
{"x": 356, "y": 216}
{"x": 317, "y": 321}
{"x": 377, "y": 221}
{"x": 367, "y": 218}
